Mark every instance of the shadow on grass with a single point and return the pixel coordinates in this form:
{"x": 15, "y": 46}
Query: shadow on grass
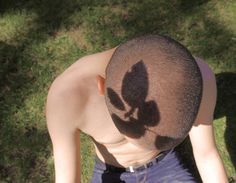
{"x": 226, "y": 107}
{"x": 24, "y": 148}
{"x": 185, "y": 21}
{"x": 24, "y": 155}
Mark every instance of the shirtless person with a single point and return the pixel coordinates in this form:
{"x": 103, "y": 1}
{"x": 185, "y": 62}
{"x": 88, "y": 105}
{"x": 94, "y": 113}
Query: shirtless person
{"x": 137, "y": 102}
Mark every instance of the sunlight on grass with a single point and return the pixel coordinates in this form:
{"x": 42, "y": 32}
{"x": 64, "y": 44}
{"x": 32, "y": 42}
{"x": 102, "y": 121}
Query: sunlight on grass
{"x": 227, "y": 14}
{"x": 14, "y": 25}
{"x": 87, "y": 158}
{"x": 219, "y": 129}
{"x": 58, "y": 52}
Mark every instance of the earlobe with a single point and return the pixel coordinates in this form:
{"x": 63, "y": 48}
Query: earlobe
{"x": 101, "y": 84}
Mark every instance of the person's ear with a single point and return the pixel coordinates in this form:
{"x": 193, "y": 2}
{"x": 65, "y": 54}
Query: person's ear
{"x": 101, "y": 84}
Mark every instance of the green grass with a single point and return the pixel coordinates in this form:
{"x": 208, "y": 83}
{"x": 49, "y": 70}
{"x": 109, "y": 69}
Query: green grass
{"x": 40, "y": 38}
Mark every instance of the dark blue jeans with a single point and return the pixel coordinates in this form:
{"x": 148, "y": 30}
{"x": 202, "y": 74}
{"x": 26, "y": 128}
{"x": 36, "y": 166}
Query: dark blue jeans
{"x": 168, "y": 170}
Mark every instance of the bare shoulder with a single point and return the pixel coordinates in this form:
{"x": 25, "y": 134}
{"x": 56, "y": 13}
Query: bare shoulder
{"x": 74, "y": 77}
{"x": 207, "y": 106}
{"x": 69, "y": 92}
{"x": 90, "y": 64}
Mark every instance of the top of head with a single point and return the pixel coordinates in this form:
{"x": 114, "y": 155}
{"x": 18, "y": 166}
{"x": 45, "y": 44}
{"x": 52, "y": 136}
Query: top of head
{"x": 153, "y": 91}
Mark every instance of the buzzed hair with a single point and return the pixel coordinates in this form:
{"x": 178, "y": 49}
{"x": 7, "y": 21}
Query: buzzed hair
{"x": 153, "y": 91}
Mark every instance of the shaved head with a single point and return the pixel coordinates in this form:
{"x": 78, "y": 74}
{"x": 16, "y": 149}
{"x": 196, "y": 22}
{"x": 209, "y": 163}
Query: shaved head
{"x": 153, "y": 91}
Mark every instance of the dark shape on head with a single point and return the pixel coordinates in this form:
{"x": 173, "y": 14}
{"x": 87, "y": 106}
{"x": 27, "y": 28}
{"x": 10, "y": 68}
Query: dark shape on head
{"x": 131, "y": 128}
{"x": 153, "y": 90}
{"x": 115, "y": 99}
{"x": 135, "y": 85}
{"x": 134, "y": 92}
{"x": 148, "y": 111}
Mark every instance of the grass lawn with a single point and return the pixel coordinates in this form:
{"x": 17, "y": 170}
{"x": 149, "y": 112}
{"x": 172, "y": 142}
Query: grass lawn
{"x": 40, "y": 38}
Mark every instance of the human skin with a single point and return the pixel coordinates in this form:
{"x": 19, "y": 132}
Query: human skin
{"x": 76, "y": 103}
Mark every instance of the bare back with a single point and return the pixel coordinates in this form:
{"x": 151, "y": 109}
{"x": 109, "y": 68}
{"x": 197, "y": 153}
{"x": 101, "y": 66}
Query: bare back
{"x": 93, "y": 118}
{"x": 111, "y": 146}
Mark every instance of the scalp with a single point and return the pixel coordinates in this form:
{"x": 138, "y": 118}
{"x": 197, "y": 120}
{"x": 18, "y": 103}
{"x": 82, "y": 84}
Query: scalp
{"x": 159, "y": 79}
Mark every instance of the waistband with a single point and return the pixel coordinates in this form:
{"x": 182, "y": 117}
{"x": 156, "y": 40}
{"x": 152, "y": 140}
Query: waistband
{"x": 113, "y": 169}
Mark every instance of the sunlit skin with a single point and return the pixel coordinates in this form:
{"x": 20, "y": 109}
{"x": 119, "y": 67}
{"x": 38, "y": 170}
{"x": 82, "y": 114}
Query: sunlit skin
{"x": 76, "y": 103}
